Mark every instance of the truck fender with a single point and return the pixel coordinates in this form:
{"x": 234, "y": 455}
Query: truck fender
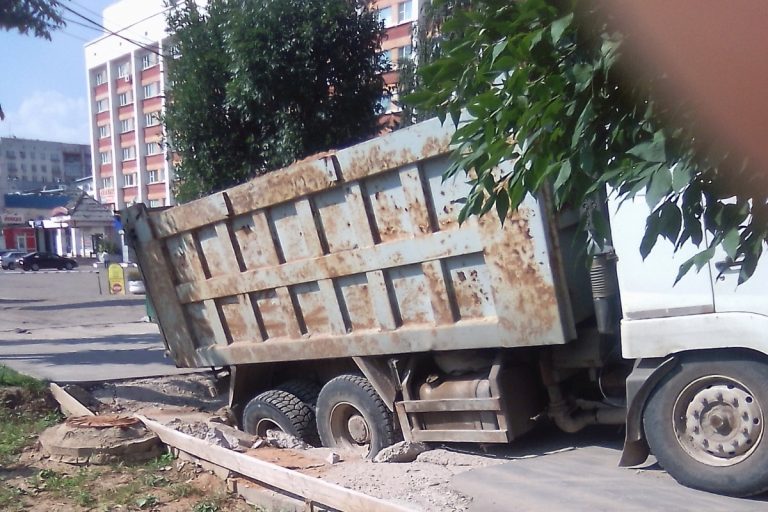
{"x": 646, "y": 374}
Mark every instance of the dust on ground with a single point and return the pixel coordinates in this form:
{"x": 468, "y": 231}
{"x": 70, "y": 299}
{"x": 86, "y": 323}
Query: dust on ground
{"x": 423, "y": 485}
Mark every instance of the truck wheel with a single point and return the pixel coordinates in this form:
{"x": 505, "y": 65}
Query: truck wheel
{"x": 705, "y": 423}
{"x": 279, "y": 410}
{"x": 352, "y": 417}
{"x": 306, "y": 390}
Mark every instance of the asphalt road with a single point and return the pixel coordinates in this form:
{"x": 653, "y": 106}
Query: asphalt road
{"x": 55, "y": 325}
{"x": 551, "y": 471}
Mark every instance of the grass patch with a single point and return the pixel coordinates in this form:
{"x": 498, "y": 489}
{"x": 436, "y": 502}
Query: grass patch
{"x": 75, "y": 487}
{"x": 23, "y": 412}
{"x": 10, "y": 377}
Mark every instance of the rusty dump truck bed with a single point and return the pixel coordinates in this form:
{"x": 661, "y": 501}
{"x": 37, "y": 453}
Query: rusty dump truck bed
{"x": 353, "y": 253}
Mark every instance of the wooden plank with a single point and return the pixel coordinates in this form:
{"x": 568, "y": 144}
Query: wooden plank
{"x": 460, "y": 436}
{"x": 276, "y": 476}
{"x": 389, "y": 255}
{"x": 453, "y": 404}
{"x": 70, "y": 406}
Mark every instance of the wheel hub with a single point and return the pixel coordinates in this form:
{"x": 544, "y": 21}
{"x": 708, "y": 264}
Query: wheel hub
{"x": 722, "y": 422}
{"x": 358, "y": 429}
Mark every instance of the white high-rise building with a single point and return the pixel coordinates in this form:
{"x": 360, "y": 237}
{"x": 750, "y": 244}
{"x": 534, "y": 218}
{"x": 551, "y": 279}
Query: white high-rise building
{"x": 126, "y": 85}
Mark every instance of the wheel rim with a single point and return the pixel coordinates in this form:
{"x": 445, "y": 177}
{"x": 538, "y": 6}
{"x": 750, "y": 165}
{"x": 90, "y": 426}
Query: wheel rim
{"x": 350, "y": 429}
{"x": 265, "y": 424}
{"x": 718, "y": 421}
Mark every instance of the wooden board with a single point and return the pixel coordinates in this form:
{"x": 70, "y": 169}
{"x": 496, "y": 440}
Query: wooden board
{"x": 70, "y": 406}
{"x": 308, "y": 487}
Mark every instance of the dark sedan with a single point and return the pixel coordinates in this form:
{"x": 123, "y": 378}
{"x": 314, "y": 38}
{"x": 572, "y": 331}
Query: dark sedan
{"x": 38, "y": 260}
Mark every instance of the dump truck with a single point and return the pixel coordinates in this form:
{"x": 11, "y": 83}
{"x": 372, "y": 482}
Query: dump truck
{"x": 351, "y": 309}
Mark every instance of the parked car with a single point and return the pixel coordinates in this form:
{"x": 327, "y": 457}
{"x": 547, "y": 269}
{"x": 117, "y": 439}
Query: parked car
{"x": 37, "y": 260}
{"x": 9, "y": 258}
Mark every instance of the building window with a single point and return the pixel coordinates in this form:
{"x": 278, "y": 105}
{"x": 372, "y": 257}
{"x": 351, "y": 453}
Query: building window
{"x": 405, "y": 11}
{"x": 154, "y": 176}
{"x": 148, "y": 60}
{"x": 151, "y": 90}
{"x": 129, "y": 180}
{"x": 43, "y": 168}
{"x": 106, "y": 182}
{"x": 155, "y": 203}
{"x": 404, "y": 53}
{"x": 103, "y": 131}
{"x": 385, "y": 102}
{"x": 24, "y": 167}
{"x": 106, "y": 157}
{"x": 152, "y": 119}
{"x": 55, "y": 157}
{"x": 385, "y": 16}
{"x": 102, "y": 105}
{"x": 122, "y": 70}
{"x": 101, "y": 77}
{"x": 33, "y": 155}
{"x": 129, "y": 153}
{"x": 387, "y": 54}
{"x": 126, "y": 125}
{"x": 12, "y": 167}
{"x": 55, "y": 170}
{"x": 34, "y": 167}
{"x": 153, "y": 148}
{"x": 10, "y": 154}
{"x": 23, "y": 154}
{"x": 124, "y": 98}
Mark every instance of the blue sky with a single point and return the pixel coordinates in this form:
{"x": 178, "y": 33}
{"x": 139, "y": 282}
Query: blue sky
{"x": 42, "y": 84}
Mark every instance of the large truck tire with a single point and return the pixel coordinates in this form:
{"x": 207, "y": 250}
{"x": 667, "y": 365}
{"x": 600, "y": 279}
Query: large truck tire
{"x": 306, "y": 390}
{"x": 352, "y": 417}
{"x": 278, "y": 409}
{"x": 705, "y": 423}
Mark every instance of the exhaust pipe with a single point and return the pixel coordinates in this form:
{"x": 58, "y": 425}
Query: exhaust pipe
{"x": 605, "y": 292}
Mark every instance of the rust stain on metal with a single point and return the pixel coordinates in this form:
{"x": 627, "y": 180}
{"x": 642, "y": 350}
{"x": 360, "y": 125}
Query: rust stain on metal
{"x": 515, "y": 259}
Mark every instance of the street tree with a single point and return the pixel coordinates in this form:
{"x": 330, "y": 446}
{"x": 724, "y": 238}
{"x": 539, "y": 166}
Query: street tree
{"x": 544, "y": 88}
{"x": 259, "y": 84}
{"x": 40, "y": 17}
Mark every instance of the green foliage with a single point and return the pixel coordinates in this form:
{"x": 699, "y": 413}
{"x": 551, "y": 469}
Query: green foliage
{"x": 40, "y": 17}
{"x": 542, "y": 87}
{"x": 9, "y": 377}
{"x": 258, "y": 84}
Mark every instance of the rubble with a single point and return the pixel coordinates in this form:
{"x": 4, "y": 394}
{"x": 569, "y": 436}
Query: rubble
{"x": 404, "y": 451}
{"x": 279, "y": 439}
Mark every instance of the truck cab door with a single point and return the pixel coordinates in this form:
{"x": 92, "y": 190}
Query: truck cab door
{"x": 750, "y": 297}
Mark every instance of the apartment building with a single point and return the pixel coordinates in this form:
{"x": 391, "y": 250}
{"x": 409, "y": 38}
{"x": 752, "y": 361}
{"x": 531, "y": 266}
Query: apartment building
{"x": 399, "y": 18}
{"x": 27, "y": 164}
{"x": 126, "y": 83}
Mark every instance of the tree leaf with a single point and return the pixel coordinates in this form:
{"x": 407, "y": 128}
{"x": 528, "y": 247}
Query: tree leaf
{"x": 558, "y": 27}
{"x": 659, "y": 186}
{"x": 563, "y": 175}
{"x": 731, "y": 243}
{"x": 651, "y": 151}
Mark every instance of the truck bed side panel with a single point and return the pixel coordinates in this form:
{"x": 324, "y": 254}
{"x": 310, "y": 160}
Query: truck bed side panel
{"x": 353, "y": 253}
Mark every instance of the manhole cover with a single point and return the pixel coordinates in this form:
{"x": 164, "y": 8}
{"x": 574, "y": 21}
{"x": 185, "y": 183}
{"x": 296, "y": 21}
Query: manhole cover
{"x": 102, "y": 421}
